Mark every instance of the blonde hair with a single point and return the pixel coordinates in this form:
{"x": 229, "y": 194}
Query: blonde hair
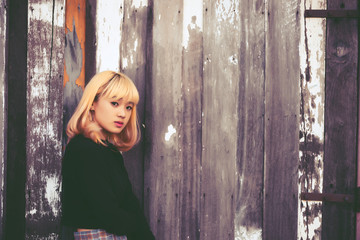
{"x": 112, "y": 85}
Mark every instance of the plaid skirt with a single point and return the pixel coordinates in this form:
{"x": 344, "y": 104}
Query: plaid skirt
{"x": 97, "y": 234}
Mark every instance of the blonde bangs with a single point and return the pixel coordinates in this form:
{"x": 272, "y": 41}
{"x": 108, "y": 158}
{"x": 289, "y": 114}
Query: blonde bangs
{"x": 110, "y": 85}
{"x": 121, "y": 87}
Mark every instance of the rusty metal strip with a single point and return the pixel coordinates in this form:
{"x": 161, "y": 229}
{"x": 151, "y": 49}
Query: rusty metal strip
{"x": 328, "y": 197}
{"x": 332, "y": 13}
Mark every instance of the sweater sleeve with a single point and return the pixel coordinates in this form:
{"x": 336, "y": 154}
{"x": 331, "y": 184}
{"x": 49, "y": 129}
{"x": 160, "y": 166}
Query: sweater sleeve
{"x": 91, "y": 176}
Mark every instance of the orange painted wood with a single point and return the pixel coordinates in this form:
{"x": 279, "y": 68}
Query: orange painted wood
{"x": 75, "y": 19}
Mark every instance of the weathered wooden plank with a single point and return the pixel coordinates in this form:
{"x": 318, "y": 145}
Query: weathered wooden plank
{"x": 133, "y": 60}
{"x": 220, "y": 118}
{"x": 109, "y": 24}
{"x": 3, "y": 104}
{"x": 74, "y": 58}
{"x": 249, "y": 178}
{"x": 340, "y": 121}
{"x": 90, "y": 43}
{"x": 44, "y": 118}
{"x": 163, "y": 162}
{"x": 14, "y": 207}
{"x": 281, "y": 119}
{"x": 192, "y": 68}
{"x": 312, "y": 92}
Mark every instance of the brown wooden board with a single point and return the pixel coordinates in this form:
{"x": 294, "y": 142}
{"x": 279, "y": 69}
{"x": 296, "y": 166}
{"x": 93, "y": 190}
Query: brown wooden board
{"x": 163, "y": 161}
{"x": 3, "y": 104}
{"x": 192, "y": 81}
{"x": 340, "y": 122}
{"x": 249, "y": 178}
{"x": 282, "y": 108}
{"x": 14, "y": 205}
{"x": 220, "y": 118}
{"x": 133, "y": 48}
{"x": 44, "y": 118}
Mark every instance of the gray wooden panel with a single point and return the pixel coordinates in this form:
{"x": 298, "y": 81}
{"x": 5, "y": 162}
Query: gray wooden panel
{"x": 133, "y": 49}
{"x": 192, "y": 82}
{"x": 341, "y": 101}
{"x": 282, "y": 108}
{"x": 44, "y": 119}
{"x": 249, "y": 178}
{"x": 3, "y": 104}
{"x": 163, "y": 117}
{"x": 220, "y": 118}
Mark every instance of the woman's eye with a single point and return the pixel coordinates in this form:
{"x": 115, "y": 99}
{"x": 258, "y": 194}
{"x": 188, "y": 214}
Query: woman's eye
{"x": 129, "y": 107}
{"x": 115, "y": 104}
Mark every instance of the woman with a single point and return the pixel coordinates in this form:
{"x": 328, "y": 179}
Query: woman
{"x": 97, "y": 197}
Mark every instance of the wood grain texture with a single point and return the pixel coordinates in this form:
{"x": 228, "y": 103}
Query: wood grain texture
{"x": 44, "y": 118}
{"x": 192, "y": 82}
{"x": 340, "y": 124}
{"x": 282, "y": 100}
{"x": 3, "y": 104}
{"x": 220, "y": 118}
{"x": 249, "y": 177}
{"x": 163, "y": 156}
{"x": 132, "y": 63}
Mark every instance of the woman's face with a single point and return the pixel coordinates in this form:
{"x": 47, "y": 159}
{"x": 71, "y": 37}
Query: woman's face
{"x": 111, "y": 114}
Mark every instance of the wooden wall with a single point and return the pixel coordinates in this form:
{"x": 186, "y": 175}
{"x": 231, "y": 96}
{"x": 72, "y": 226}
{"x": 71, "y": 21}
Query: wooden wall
{"x": 219, "y": 110}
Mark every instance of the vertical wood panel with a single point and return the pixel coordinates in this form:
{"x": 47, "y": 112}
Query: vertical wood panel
{"x": 281, "y": 119}
{"x": 14, "y": 211}
{"x": 249, "y": 179}
{"x": 3, "y": 104}
{"x": 192, "y": 81}
{"x": 312, "y": 82}
{"x": 90, "y": 43}
{"x": 133, "y": 60}
{"x": 163, "y": 111}
{"x": 109, "y": 24}
{"x": 340, "y": 121}
{"x": 74, "y": 58}
{"x": 220, "y": 118}
{"x": 44, "y": 118}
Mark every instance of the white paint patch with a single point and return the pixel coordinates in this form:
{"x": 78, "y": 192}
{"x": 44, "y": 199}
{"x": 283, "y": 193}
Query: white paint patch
{"x": 135, "y": 44}
{"x": 33, "y": 211}
{"x": 248, "y": 233}
{"x": 124, "y": 63}
{"x": 313, "y": 123}
{"x": 139, "y": 3}
{"x": 193, "y": 18}
{"x": 159, "y": 16}
{"x": 233, "y": 59}
{"x": 51, "y": 193}
{"x": 109, "y": 19}
{"x": 227, "y": 10}
{"x": 43, "y": 11}
{"x": 171, "y": 131}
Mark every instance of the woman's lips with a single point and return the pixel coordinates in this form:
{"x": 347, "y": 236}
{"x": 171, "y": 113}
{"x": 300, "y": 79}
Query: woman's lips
{"x": 119, "y": 124}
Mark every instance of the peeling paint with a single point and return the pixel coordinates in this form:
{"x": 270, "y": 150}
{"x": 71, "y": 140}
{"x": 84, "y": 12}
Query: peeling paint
{"x": 43, "y": 10}
{"x": 312, "y": 61}
{"x": 52, "y": 193}
{"x": 171, "y": 131}
{"x": 248, "y": 233}
{"x": 193, "y": 20}
{"x": 233, "y": 59}
{"x": 109, "y": 20}
{"x": 139, "y": 3}
{"x": 227, "y": 11}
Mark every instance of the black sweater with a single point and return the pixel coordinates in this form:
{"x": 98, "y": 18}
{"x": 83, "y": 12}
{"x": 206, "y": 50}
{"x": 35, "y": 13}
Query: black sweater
{"x": 97, "y": 193}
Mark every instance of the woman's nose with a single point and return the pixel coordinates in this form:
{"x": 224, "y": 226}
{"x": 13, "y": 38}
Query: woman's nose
{"x": 121, "y": 111}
